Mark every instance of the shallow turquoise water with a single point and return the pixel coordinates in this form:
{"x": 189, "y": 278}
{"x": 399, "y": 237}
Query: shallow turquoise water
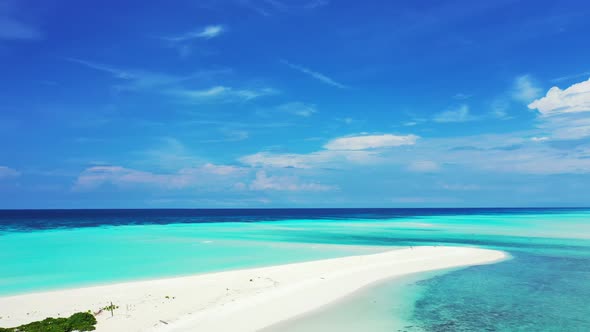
{"x": 545, "y": 287}
{"x": 76, "y": 257}
{"x": 531, "y": 292}
{"x": 386, "y": 306}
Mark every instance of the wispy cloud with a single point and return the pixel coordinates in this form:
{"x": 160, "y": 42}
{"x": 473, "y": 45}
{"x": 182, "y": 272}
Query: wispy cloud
{"x": 461, "y": 96}
{"x": 206, "y": 175}
{"x": 264, "y": 182}
{"x": 499, "y": 109}
{"x": 525, "y": 89}
{"x": 566, "y": 126}
{"x": 458, "y": 114}
{"x": 7, "y": 172}
{"x": 265, "y": 7}
{"x": 284, "y": 160}
{"x": 184, "y": 42}
{"x": 363, "y": 149}
{"x": 313, "y": 4}
{"x": 274, "y": 7}
{"x": 365, "y": 142}
{"x": 209, "y": 177}
{"x": 222, "y": 93}
{"x": 116, "y": 72}
{"x": 316, "y": 159}
{"x": 539, "y": 138}
{"x": 298, "y": 108}
{"x": 424, "y": 166}
{"x": 314, "y": 74}
{"x": 141, "y": 79}
{"x": 513, "y": 153}
{"x": 228, "y": 135}
{"x": 174, "y": 85}
{"x": 571, "y": 77}
{"x": 12, "y": 29}
{"x": 168, "y": 153}
{"x": 208, "y": 32}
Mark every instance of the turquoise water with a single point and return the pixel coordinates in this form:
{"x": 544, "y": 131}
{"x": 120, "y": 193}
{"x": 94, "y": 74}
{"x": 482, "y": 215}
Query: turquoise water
{"x": 63, "y": 258}
{"x": 532, "y": 292}
{"x": 545, "y": 287}
{"x": 386, "y": 306}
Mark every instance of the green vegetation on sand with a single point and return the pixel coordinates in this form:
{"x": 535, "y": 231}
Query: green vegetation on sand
{"x": 81, "y": 321}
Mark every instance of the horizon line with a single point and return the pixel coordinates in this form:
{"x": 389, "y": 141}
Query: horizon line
{"x": 301, "y": 208}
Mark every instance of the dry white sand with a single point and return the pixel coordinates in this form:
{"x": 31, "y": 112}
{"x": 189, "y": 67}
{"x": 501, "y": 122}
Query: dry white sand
{"x": 241, "y": 300}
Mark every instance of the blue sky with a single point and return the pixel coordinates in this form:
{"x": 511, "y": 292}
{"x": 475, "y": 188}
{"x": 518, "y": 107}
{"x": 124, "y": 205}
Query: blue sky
{"x": 309, "y": 103}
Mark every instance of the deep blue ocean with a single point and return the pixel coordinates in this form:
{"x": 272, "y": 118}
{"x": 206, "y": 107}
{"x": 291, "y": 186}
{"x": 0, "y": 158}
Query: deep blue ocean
{"x": 30, "y": 220}
{"x": 544, "y": 287}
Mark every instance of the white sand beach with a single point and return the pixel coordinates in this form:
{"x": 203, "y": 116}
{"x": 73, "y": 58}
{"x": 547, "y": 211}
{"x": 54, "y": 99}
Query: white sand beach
{"x": 241, "y": 300}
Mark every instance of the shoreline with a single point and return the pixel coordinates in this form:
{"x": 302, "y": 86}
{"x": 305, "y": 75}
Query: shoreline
{"x": 244, "y": 300}
{"x": 355, "y": 250}
{"x": 393, "y": 297}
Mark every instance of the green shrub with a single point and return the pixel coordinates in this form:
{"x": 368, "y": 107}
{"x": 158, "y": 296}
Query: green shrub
{"x": 80, "y": 321}
{"x": 110, "y": 307}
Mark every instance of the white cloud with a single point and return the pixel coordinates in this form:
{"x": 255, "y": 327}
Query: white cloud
{"x": 459, "y": 114}
{"x": 211, "y": 92}
{"x": 141, "y": 79}
{"x": 221, "y": 169}
{"x": 569, "y": 77}
{"x": 263, "y": 182}
{"x": 11, "y": 29}
{"x": 298, "y": 108}
{"x": 211, "y": 31}
{"x": 566, "y": 126}
{"x": 511, "y": 153}
{"x": 7, "y": 172}
{"x": 565, "y": 113}
{"x": 96, "y": 176}
{"x": 525, "y": 152}
{"x": 541, "y": 162}
{"x": 573, "y": 99}
{"x": 314, "y": 74}
{"x": 282, "y": 160}
{"x": 364, "y": 149}
{"x": 424, "y": 166}
{"x": 370, "y": 142}
{"x": 323, "y": 158}
{"x": 116, "y": 72}
{"x": 184, "y": 43}
{"x": 525, "y": 89}
{"x": 223, "y": 93}
{"x": 208, "y": 32}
